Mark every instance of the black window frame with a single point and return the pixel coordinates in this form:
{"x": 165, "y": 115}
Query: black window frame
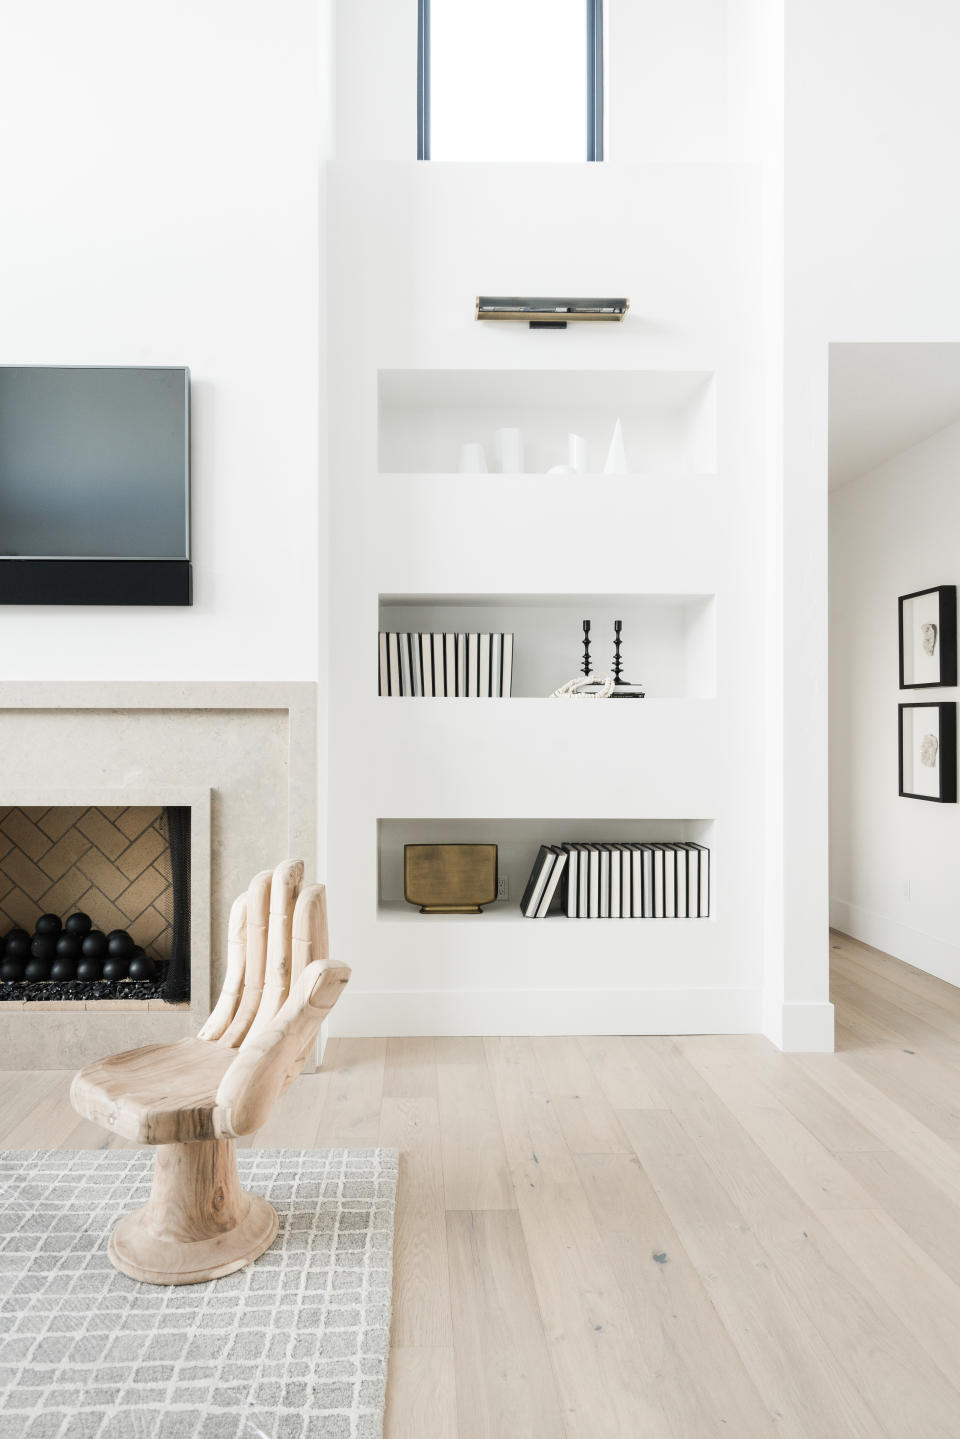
{"x": 595, "y": 80}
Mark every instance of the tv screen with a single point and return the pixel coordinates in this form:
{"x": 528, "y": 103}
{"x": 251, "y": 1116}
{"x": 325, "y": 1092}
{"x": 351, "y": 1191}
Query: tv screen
{"x": 94, "y": 463}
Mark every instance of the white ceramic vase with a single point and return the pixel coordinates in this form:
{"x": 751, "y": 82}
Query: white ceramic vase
{"x": 473, "y": 461}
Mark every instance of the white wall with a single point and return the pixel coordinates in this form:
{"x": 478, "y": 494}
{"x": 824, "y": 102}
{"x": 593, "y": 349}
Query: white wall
{"x": 411, "y": 246}
{"x": 161, "y": 181}
{"x": 893, "y": 531}
{"x": 871, "y": 236}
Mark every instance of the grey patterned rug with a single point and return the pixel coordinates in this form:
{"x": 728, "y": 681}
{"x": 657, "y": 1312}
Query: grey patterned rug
{"x": 293, "y": 1347}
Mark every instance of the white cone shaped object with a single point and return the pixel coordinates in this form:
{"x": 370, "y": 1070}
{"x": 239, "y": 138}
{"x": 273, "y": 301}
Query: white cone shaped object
{"x": 617, "y": 454}
{"x": 509, "y": 447}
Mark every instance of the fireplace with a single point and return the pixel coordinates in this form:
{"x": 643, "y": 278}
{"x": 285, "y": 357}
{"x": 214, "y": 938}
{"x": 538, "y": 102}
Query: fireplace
{"x": 95, "y": 903}
{"x": 239, "y": 756}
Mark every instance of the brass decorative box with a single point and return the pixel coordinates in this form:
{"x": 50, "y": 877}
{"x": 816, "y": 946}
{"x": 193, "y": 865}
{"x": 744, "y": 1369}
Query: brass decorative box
{"x": 450, "y": 878}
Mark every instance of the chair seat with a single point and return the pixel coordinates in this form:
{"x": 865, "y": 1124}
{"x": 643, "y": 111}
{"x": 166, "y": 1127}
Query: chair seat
{"x": 161, "y": 1094}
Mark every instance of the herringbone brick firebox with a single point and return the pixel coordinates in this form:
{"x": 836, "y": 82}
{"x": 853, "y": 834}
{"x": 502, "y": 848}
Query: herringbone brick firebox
{"x": 111, "y": 862}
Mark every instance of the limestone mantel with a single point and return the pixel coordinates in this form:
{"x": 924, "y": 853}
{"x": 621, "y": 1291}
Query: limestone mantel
{"x": 242, "y": 754}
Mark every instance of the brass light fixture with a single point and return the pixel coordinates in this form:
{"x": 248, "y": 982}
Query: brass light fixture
{"x": 548, "y": 311}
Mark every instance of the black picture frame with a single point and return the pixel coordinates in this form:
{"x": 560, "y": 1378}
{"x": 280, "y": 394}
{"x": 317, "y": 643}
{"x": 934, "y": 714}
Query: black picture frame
{"x": 946, "y": 764}
{"x": 946, "y": 639}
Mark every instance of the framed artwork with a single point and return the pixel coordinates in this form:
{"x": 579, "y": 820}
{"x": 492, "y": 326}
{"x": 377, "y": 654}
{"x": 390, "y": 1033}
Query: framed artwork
{"x": 928, "y": 751}
{"x": 928, "y": 638}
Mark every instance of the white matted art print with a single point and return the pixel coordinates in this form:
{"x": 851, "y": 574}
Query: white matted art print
{"x": 928, "y": 743}
{"x": 928, "y": 638}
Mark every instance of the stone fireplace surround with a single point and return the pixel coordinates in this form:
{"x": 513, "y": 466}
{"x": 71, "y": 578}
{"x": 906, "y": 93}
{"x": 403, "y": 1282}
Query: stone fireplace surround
{"x": 241, "y": 754}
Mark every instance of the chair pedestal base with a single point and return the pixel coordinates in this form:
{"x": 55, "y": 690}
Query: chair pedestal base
{"x": 198, "y": 1223}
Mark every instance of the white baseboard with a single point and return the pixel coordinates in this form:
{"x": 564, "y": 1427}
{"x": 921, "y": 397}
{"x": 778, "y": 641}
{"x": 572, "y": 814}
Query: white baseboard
{"x": 399, "y": 1013}
{"x": 802, "y": 1028}
{"x": 934, "y": 956}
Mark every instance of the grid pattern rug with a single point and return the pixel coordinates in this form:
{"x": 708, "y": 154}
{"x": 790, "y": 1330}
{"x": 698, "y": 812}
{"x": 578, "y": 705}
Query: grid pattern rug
{"x": 293, "y": 1347}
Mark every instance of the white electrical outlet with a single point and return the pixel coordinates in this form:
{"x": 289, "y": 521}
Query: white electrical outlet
{"x": 503, "y": 888}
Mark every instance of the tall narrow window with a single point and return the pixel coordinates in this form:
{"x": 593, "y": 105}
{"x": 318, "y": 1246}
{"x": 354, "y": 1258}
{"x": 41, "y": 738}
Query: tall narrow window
{"x": 510, "y": 80}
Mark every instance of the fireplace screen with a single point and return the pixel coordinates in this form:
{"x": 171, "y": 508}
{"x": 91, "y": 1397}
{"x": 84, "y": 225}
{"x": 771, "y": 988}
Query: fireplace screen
{"x": 95, "y": 902}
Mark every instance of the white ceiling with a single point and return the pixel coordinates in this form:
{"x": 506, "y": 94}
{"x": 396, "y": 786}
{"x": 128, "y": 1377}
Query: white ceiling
{"x": 885, "y": 398}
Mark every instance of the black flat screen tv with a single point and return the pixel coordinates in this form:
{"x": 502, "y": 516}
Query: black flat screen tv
{"x": 94, "y": 485}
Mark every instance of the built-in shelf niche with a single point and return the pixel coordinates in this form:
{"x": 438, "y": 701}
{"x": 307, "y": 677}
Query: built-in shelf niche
{"x": 668, "y": 641}
{"x": 517, "y": 841}
{"x": 668, "y": 418}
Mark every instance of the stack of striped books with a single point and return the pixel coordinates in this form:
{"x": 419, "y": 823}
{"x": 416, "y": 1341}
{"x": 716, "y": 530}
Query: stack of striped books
{"x": 668, "y": 880}
{"x": 450, "y": 666}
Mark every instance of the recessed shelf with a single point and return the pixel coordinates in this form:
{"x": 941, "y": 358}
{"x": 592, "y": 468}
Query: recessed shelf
{"x": 668, "y": 641}
{"x": 517, "y": 840}
{"x": 668, "y": 418}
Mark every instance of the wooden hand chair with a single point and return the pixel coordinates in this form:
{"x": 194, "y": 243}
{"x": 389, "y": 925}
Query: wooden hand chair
{"x": 193, "y": 1098}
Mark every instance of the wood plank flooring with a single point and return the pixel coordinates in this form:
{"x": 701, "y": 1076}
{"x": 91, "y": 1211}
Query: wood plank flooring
{"x": 655, "y": 1238}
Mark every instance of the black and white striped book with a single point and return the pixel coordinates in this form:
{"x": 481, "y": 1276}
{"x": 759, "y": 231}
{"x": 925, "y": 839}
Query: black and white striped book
{"x": 680, "y": 854}
{"x": 698, "y": 859}
{"x": 462, "y": 690}
{"x": 426, "y": 664}
{"x": 446, "y": 664}
{"x": 496, "y": 666}
{"x": 439, "y": 681}
{"x": 383, "y": 671}
{"x": 506, "y": 686}
{"x": 537, "y": 883}
{"x": 406, "y": 674}
{"x": 552, "y": 890}
{"x": 483, "y": 667}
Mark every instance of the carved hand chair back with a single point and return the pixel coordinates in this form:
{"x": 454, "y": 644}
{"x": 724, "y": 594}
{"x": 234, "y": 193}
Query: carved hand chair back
{"x": 194, "y": 1098}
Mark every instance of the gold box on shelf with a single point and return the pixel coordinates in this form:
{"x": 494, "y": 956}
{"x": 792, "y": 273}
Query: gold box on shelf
{"x": 450, "y": 878}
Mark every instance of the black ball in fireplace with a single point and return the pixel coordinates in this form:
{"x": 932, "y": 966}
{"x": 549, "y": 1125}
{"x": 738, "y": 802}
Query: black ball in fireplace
{"x": 79, "y": 924}
{"x": 17, "y": 945}
{"x": 142, "y": 967}
{"x": 69, "y": 946}
{"x": 90, "y": 967}
{"x": 37, "y": 969}
{"x": 120, "y": 945}
{"x": 12, "y": 970}
{"x": 48, "y": 924}
{"x": 95, "y": 945}
{"x": 64, "y": 967}
{"x": 115, "y": 967}
{"x": 44, "y": 946}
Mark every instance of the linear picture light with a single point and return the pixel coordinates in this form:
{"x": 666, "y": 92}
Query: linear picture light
{"x": 548, "y": 311}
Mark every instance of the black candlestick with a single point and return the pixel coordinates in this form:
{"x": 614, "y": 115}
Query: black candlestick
{"x": 586, "y": 647}
{"x": 617, "y": 627}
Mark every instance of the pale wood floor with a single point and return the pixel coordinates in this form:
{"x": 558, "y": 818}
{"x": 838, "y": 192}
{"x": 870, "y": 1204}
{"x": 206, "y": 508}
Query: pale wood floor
{"x": 653, "y": 1237}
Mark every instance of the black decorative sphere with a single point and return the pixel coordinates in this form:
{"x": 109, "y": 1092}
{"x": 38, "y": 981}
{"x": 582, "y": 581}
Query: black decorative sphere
{"x": 120, "y": 945}
{"x": 95, "y": 945}
{"x": 142, "y": 967}
{"x": 37, "y": 969}
{"x": 69, "y": 946}
{"x": 115, "y": 967}
{"x": 12, "y": 969}
{"x": 17, "y": 945}
{"x": 79, "y": 924}
{"x": 48, "y": 924}
{"x": 44, "y": 946}
{"x": 63, "y": 968}
{"x": 90, "y": 967}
